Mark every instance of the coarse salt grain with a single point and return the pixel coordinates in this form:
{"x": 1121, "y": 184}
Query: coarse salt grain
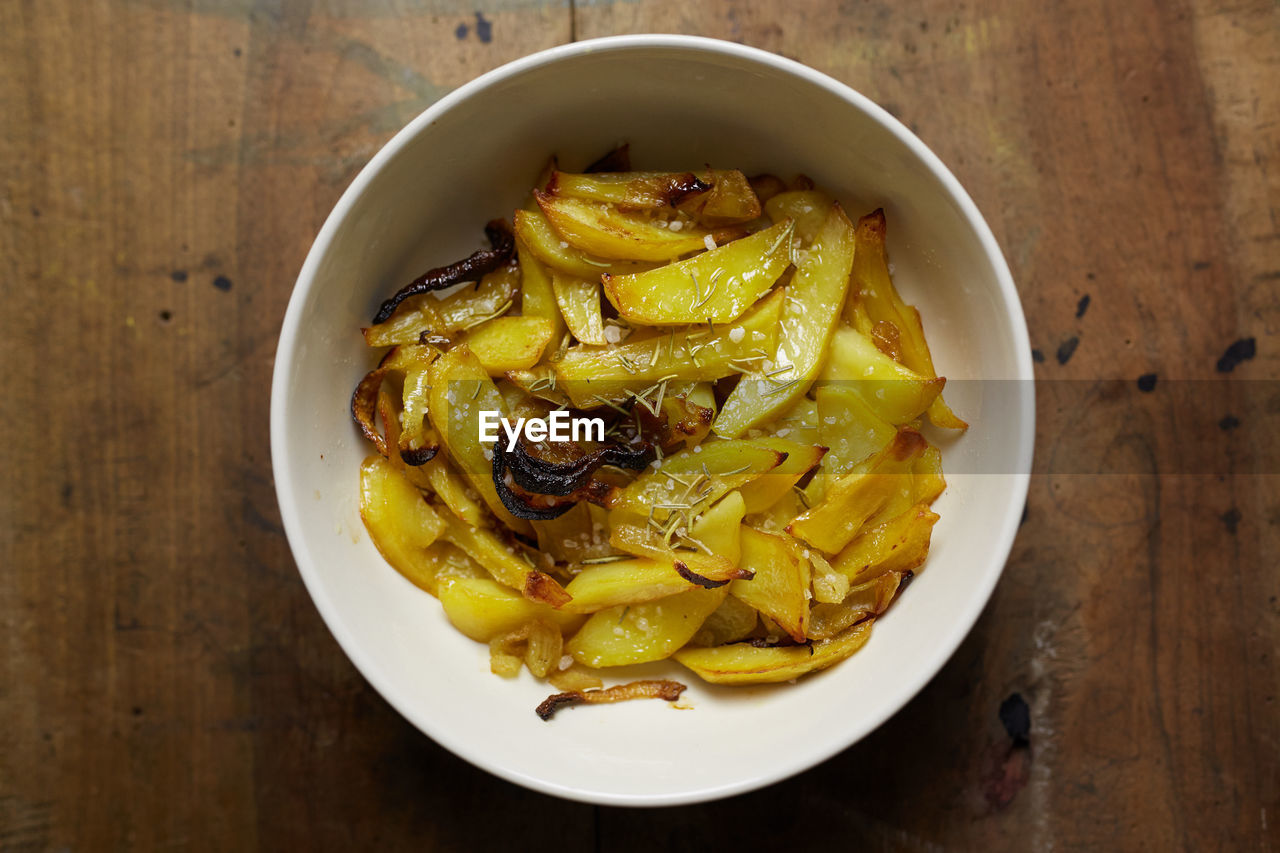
{"x": 737, "y": 333}
{"x": 612, "y": 334}
{"x": 564, "y": 245}
{"x": 709, "y": 242}
{"x": 566, "y": 662}
{"x": 697, "y": 448}
{"x": 676, "y": 225}
{"x": 783, "y": 433}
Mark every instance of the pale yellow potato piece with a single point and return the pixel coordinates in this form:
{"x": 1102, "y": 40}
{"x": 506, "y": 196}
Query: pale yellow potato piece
{"x": 892, "y": 391}
{"x": 460, "y": 390}
{"x": 630, "y": 581}
{"x": 637, "y": 190}
{"x": 858, "y": 496}
{"x": 607, "y": 232}
{"x": 484, "y": 546}
{"x": 809, "y": 317}
{"x": 807, "y": 208}
{"x": 716, "y": 286}
{"x": 588, "y": 374}
{"x": 877, "y": 300}
{"x": 638, "y": 633}
{"x": 400, "y": 522}
{"x": 848, "y": 427}
{"x": 897, "y": 545}
{"x": 537, "y": 298}
{"x": 483, "y": 609}
{"x": 926, "y": 476}
{"x": 510, "y": 343}
{"x": 765, "y": 490}
{"x": 535, "y": 231}
{"x": 579, "y": 301}
{"x": 732, "y": 621}
{"x": 718, "y": 527}
{"x": 781, "y": 581}
{"x": 696, "y": 478}
{"x": 742, "y": 663}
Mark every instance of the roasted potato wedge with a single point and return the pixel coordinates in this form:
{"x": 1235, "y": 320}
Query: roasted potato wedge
{"x": 808, "y": 321}
{"x": 510, "y": 343}
{"x": 892, "y": 391}
{"x": 716, "y": 286}
{"x": 400, "y": 522}
{"x": 483, "y": 609}
{"x": 877, "y": 296}
{"x": 594, "y": 376}
{"x": 780, "y": 586}
{"x": 639, "y": 633}
{"x": 605, "y": 231}
{"x": 859, "y": 495}
{"x": 743, "y": 663}
{"x": 579, "y": 301}
{"x": 897, "y": 545}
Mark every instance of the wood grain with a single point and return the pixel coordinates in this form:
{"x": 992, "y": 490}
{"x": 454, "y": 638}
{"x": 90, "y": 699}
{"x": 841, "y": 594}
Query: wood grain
{"x": 166, "y": 682}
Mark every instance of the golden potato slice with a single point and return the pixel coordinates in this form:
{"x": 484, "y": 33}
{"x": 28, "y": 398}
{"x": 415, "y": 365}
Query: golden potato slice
{"x": 460, "y": 309}
{"x": 630, "y": 581}
{"x": 696, "y": 477}
{"x": 892, "y": 391}
{"x": 808, "y": 320}
{"x": 806, "y": 208}
{"x": 553, "y": 251}
{"x": 732, "y": 621}
{"x": 858, "y": 496}
{"x": 579, "y": 301}
{"x": 743, "y": 663}
{"x": 537, "y": 298}
{"x": 627, "y": 190}
{"x": 483, "y": 609}
{"x": 879, "y": 299}
{"x": 848, "y": 426}
{"x": 592, "y": 374}
{"x": 715, "y": 286}
{"x": 460, "y": 390}
{"x": 670, "y": 545}
{"x": 764, "y": 491}
{"x": 780, "y": 588}
{"x": 926, "y": 475}
{"x": 607, "y": 232}
{"x": 498, "y": 558}
{"x": 639, "y": 633}
{"x": 400, "y": 522}
{"x": 510, "y": 343}
{"x": 897, "y": 545}
{"x": 732, "y": 199}
{"x": 718, "y": 527}
{"x": 450, "y": 488}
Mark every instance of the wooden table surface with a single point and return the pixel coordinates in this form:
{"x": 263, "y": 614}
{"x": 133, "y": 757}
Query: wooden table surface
{"x": 167, "y": 682}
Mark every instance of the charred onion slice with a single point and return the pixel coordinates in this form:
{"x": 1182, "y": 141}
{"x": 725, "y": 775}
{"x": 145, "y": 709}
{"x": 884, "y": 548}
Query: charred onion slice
{"x": 617, "y": 160}
{"x": 502, "y": 243}
{"x": 564, "y": 478}
{"x": 364, "y": 406}
{"x": 705, "y": 582}
{"x": 532, "y": 505}
{"x": 669, "y": 690}
{"x": 515, "y": 504}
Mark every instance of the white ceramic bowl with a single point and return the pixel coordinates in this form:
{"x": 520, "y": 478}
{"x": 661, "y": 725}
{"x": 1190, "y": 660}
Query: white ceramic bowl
{"x": 422, "y": 200}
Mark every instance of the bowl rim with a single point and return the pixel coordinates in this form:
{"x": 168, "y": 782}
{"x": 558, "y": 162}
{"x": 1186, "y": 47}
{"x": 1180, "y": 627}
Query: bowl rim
{"x": 288, "y": 345}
